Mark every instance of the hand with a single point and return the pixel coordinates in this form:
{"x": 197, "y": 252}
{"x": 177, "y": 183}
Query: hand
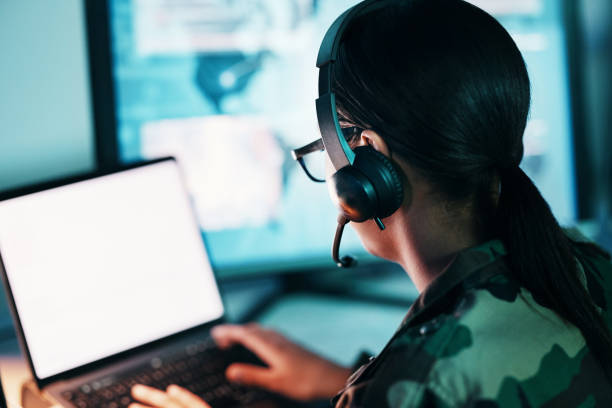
{"x": 174, "y": 397}
{"x": 292, "y": 370}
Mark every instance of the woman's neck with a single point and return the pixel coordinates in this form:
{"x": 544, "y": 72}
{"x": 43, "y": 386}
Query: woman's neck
{"x": 428, "y": 242}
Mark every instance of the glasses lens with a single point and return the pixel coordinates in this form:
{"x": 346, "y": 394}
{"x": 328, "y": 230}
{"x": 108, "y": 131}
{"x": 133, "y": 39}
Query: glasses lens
{"x": 351, "y": 134}
{"x": 315, "y": 164}
{"x": 313, "y": 160}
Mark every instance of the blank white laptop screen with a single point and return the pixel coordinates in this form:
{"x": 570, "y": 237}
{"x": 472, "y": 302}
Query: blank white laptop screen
{"x": 104, "y": 265}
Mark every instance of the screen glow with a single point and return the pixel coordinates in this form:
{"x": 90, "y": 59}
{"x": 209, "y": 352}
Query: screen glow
{"x": 105, "y": 265}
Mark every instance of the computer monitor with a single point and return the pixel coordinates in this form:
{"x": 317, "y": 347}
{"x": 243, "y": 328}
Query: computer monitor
{"x": 229, "y": 87}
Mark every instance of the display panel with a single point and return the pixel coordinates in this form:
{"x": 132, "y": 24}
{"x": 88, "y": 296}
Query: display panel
{"x": 105, "y": 265}
{"x": 228, "y": 87}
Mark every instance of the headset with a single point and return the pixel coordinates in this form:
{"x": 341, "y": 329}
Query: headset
{"x": 366, "y": 184}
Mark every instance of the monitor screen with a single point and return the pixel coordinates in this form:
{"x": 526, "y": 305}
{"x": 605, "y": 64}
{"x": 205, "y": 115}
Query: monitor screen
{"x": 228, "y": 87}
{"x": 105, "y": 265}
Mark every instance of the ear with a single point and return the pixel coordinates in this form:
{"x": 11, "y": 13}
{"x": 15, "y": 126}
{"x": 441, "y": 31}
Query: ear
{"x": 371, "y": 138}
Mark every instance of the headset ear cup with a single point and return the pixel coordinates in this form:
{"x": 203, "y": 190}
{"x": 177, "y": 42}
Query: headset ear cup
{"x": 384, "y": 176}
{"x": 354, "y": 194}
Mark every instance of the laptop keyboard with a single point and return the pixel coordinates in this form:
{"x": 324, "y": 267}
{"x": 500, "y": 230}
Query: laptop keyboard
{"x": 198, "y": 367}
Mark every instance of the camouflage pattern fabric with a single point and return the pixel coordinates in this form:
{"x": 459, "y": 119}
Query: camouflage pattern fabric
{"x": 475, "y": 338}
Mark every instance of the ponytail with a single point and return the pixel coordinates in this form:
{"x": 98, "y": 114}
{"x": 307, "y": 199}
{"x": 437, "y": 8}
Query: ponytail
{"x": 541, "y": 257}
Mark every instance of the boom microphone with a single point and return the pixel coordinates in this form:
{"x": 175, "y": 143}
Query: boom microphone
{"x": 345, "y": 261}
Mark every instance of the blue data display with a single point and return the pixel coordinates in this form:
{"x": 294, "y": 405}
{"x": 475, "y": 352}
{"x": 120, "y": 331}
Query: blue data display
{"x": 228, "y": 87}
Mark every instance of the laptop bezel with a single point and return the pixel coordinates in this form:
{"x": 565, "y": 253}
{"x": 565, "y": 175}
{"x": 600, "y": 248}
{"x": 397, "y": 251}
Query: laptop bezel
{"x": 118, "y": 357}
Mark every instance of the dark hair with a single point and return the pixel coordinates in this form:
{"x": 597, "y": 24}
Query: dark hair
{"x": 447, "y": 88}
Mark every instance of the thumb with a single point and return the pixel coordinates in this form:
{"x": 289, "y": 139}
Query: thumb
{"x": 248, "y": 374}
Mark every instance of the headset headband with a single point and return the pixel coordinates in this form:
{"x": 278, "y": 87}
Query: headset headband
{"x": 335, "y": 144}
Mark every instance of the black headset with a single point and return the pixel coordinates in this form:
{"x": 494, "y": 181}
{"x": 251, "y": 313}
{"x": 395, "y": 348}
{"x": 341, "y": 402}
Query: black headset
{"x": 366, "y": 184}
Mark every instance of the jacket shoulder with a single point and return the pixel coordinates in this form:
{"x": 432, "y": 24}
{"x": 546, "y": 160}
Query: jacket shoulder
{"x": 490, "y": 345}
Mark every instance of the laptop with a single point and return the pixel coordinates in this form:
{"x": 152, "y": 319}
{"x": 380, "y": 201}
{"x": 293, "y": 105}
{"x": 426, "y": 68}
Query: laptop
{"x": 111, "y": 285}
{"x": 2, "y": 398}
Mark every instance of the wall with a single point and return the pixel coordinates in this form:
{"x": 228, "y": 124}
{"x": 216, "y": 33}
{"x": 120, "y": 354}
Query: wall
{"x": 45, "y": 118}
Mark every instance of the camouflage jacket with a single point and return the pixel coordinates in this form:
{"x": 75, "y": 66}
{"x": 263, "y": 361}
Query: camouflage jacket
{"x": 475, "y": 338}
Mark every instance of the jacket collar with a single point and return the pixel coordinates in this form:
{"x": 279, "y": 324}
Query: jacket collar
{"x": 468, "y": 270}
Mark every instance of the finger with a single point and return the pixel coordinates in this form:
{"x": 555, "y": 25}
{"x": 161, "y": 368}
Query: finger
{"x": 253, "y": 337}
{"x": 224, "y": 334}
{"x": 153, "y": 397}
{"x": 137, "y": 405}
{"x": 185, "y": 397}
{"x": 221, "y": 337}
{"x": 250, "y": 375}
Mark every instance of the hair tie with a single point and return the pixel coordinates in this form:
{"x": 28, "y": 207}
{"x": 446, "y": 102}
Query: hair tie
{"x": 509, "y": 171}
{"x": 511, "y": 178}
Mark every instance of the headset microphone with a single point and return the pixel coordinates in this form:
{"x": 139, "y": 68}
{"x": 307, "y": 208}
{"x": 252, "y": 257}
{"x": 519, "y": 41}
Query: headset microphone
{"x": 366, "y": 184}
{"x": 345, "y": 261}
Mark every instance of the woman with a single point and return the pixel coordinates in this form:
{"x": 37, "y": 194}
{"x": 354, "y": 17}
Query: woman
{"x": 513, "y": 311}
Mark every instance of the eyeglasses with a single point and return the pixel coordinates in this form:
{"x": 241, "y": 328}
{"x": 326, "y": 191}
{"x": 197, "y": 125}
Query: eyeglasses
{"x": 312, "y": 156}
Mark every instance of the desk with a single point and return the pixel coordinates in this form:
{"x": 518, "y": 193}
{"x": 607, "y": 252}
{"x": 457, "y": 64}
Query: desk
{"x": 15, "y": 372}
